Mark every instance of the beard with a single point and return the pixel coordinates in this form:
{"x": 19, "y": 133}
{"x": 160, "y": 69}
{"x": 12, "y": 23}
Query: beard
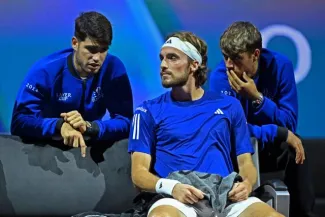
{"x": 171, "y": 81}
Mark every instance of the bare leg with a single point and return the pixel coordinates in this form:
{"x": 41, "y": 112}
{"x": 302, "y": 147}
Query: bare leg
{"x": 166, "y": 211}
{"x": 260, "y": 210}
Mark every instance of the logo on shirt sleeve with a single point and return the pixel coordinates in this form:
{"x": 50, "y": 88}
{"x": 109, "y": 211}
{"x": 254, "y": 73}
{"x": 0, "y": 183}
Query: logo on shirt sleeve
{"x": 136, "y": 126}
{"x": 141, "y": 109}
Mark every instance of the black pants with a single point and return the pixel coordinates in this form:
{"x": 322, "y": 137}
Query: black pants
{"x": 297, "y": 177}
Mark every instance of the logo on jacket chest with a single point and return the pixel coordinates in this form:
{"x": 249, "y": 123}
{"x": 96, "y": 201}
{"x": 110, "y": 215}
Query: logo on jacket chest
{"x": 63, "y": 96}
{"x": 97, "y": 94}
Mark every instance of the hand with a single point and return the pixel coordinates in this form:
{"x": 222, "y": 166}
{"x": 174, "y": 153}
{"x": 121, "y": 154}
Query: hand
{"x": 75, "y": 119}
{"x": 73, "y": 138}
{"x": 187, "y": 193}
{"x": 247, "y": 89}
{"x": 296, "y": 144}
{"x": 240, "y": 191}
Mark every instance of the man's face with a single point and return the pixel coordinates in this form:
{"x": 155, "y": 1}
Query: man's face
{"x": 89, "y": 55}
{"x": 244, "y": 62}
{"x": 174, "y": 67}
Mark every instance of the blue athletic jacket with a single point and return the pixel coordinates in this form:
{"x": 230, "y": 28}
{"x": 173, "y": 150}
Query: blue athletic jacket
{"x": 52, "y": 86}
{"x": 275, "y": 80}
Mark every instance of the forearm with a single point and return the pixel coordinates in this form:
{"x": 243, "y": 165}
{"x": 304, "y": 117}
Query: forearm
{"x": 145, "y": 180}
{"x": 249, "y": 173}
{"x": 269, "y": 133}
{"x": 30, "y": 126}
{"x": 269, "y": 112}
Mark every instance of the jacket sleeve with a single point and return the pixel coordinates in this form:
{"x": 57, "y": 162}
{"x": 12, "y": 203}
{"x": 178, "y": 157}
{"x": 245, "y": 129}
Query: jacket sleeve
{"x": 32, "y": 96}
{"x": 284, "y": 110}
{"x": 269, "y": 133}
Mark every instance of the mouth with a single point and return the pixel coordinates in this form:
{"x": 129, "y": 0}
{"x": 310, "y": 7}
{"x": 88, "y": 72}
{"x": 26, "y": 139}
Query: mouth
{"x": 93, "y": 66}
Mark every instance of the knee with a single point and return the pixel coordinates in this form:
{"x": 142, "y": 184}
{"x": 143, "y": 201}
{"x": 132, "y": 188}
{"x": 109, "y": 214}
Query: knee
{"x": 165, "y": 211}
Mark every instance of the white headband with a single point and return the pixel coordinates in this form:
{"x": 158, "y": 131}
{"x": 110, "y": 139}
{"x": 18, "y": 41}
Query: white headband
{"x": 185, "y": 47}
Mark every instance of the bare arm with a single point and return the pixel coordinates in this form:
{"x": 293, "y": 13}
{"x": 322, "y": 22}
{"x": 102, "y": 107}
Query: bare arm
{"x": 247, "y": 169}
{"x": 140, "y": 174}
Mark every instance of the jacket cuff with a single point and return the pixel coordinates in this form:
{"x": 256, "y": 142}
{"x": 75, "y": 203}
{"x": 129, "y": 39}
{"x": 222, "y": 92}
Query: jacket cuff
{"x": 282, "y": 134}
{"x": 58, "y": 125}
{"x": 92, "y": 131}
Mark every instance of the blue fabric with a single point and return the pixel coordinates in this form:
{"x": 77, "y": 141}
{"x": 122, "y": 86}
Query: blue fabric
{"x": 275, "y": 80}
{"x": 51, "y": 87}
{"x": 201, "y": 135}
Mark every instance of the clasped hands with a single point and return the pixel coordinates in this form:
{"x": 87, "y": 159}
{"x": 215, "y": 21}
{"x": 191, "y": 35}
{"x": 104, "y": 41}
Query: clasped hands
{"x": 72, "y": 129}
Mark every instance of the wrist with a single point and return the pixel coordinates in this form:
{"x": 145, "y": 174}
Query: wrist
{"x": 282, "y": 135}
{"x": 166, "y": 186}
{"x": 59, "y": 125}
{"x": 92, "y": 129}
{"x": 258, "y": 99}
{"x": 248, "y": 184}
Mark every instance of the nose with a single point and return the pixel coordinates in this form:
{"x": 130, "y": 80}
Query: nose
{"x": 96, "y": 57}
{"x": 163, "y": 64}
{"x": 229, "y": 63}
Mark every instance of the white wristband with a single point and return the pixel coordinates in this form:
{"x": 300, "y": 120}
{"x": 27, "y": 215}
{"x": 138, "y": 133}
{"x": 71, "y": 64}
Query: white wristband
{"x": 166, "y": 186}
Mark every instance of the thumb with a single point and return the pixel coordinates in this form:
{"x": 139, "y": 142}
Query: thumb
{"x": 63, "y": 115}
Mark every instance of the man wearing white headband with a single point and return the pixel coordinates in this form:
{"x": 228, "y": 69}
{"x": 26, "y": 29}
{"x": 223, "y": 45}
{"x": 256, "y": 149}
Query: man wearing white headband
{"x": 188, "y": 128}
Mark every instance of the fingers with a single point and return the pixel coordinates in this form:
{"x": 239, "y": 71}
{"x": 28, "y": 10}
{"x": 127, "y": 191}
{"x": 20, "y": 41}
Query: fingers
{"x": 75, "y": 141}
{"x": 233, "y": 191}
{"x": 75, "y": 116}
{"x": 66, "y": 140}
{"x": 238, "y": 193}
{"x": 69, "y": 114}
{"x": 83, "y": 146}
{"x": 300, "y": 153}
{"x": 63, "y": 115}
{"x": 234, "y": 78}
{"x": 196, "y": 192}
{"x": 190, "y": 197}
{"x": 233, "y": 85}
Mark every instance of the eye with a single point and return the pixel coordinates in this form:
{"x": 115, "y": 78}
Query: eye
{"x": 172, "y": 57}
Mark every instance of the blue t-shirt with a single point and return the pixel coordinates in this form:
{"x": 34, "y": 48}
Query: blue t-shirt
{"x": 201, "y": 135}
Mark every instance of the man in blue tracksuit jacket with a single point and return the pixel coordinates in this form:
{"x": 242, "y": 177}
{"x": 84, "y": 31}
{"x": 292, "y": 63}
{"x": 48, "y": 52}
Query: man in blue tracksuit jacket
{"x": 264, "y": 82}
{"x": 68, "y": 92}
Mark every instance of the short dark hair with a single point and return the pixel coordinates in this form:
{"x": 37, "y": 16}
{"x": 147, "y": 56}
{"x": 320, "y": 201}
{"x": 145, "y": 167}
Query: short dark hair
{"x": 200, "y": 75}
{"x": 240, "y": 37}
{"x": 95, "y": 26}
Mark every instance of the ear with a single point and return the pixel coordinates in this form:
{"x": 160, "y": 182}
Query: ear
{"x": 74, "y": 43}
{"x": 256, "y": 54}
{"x": 194, "y": 66}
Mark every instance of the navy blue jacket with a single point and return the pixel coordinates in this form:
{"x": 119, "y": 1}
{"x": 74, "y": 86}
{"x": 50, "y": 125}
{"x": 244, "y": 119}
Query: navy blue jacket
{"x": 52, "y": 86}
{"x": 275, "y": 80}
